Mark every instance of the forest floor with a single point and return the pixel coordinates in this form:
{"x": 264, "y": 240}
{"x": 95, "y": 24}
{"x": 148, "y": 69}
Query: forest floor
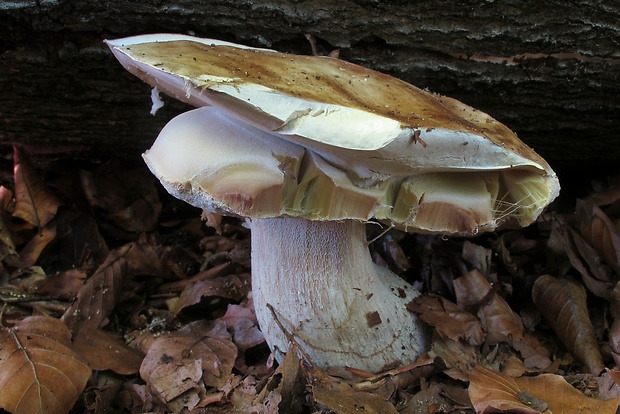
{"x": 116, "y": 297}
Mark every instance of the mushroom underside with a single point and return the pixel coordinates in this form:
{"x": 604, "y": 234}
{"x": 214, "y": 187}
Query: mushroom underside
{"x": 313, "y": 278}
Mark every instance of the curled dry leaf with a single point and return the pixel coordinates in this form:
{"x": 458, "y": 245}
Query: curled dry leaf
{"x": 39, "y": 372}
{"x": 7, "y": 247}
{"x": 31, "y": 252}
{"x": 474, "y": 292}
{"x": 599, "y": 231}
{"x": 102, "y": 291}
{"x": 105, "y": 351}
{"x": 128, "y": 199}
{"x": 241, "y": 321}
{"x": 100, "y": 399}
{"x": 564, "y": 241}
{"x": 563, "y": 304}
{"x": 405, "y": 377}
{"x": 491, "y": 391}
{"x": 478, "y": 256}
{"x": 64, "y": 285}
{"x": 179, "y": 366}
{"x": 341, "y": 398}
{"x": 34, "y": 202}
{"x": 448, "y": 319}
{"x": 231, "y": 287}
{"x": 284, "y": 388}
{"x": 81, "y": 244}
{"x": 614, "y": 341}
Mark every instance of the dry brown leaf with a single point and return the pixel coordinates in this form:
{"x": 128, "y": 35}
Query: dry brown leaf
{"x": 490, "y": 391}
{"x": 178, "y": 286}
{"x": 534, "y": 353}
{"x": 231, "y": 287}
{"x": 7, "y": 247}
{"x": 598, "y": 230}
{"x": 99, "y": 400}
{"x": 284, "y": 390}
{"x": 102, "y": 291}
{"x": 128, "y": 199}
{"x": 608, "y": 386}
{"x": 478, "y": 256}
{"x": 563, "y": 304}
{"x": 474, "y": 292}
{"x": 405, "y": 377}
{"x": 39, "y": 372}
{"x": 564, "y": 241}
{"x": 63, "y": 285}
{"x": 105, "y": 351}
{"x": 180, "y": 366}
{"x": 342, "y": 399}
{"x": 241, "y": 321}
{"x": 458, "y": 356}
{"x": 448, "y": 320}
{"x": 34, "y": 202}
{"x": 81, "y": 245}
{"x": 392, "y": 253}
{"x": 32, "y": 250}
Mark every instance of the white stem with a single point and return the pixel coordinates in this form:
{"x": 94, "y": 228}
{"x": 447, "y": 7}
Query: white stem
{"x": 320, "y": 281}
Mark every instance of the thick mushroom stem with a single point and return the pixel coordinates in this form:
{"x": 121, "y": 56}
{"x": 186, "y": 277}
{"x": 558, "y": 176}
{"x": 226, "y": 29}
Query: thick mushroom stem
{"x": 318, "y": 279}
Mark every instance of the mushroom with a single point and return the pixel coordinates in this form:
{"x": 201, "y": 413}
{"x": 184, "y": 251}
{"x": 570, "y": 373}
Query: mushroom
{"x": 309, "y": 149}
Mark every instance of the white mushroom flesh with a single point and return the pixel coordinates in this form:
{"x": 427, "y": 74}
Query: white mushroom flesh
{"x": 311, "y": 148}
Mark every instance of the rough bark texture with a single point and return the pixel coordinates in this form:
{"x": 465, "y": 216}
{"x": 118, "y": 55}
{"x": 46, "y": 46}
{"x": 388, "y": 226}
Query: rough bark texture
{"x": 549, "y": 70}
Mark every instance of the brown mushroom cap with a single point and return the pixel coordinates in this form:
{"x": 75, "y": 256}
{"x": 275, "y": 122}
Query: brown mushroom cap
{"x": 440, "y": 165}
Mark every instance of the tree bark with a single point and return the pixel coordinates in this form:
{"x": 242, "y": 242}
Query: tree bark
{"x": 549, "y": 70}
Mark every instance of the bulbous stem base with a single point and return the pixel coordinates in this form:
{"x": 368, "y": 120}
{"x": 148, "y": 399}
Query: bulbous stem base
{"x": 320, "y": 281}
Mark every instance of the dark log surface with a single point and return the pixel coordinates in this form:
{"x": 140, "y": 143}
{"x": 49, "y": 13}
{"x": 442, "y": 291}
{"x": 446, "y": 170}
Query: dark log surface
{"x": 549, "y": 70}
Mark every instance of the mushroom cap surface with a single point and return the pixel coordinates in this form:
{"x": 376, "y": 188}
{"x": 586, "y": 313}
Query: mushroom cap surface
{"x": 430, "y": 157}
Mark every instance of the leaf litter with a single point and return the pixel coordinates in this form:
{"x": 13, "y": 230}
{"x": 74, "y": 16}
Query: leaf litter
{"x": 116, "y": 297}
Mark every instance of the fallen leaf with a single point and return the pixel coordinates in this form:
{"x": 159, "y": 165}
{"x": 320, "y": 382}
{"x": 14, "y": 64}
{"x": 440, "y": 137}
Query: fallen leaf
{"x": 231, "y": 287}
{"x": 393, "y": 253}
{"x": 448, "y": 319}
{"x": 608, "y": 386}
{"x": 105, "y": 351}
{"x": 387, "y": 383}
{"x": 241, "y": 321}
{"x": 566, "y": 242}
{"x": 284, "y": 388}
{"x": 32, "y": 250}
{"x": 39, "y": 372}
{"x": 598, "y": 230}
{"x": 102, "y": 291}
{"x": 563, "y": 304}
{"x": 80, "y": 243}
{"x": 341, "y": 398}
{"x": 7, "y": 247}
{"x": 99, "y": 400}
{"x": 137, "y": 399}
{"x": 478, "y": 256}
{"x": 63, "y": 285}
{"x": 490, "y": 390}
{"x": 34, "y": 202}
{"x": 180, "y": 366}
{"x": 474, "y": 292}
{"x": 127, "y": 199}
{"x": 458, "y": 356}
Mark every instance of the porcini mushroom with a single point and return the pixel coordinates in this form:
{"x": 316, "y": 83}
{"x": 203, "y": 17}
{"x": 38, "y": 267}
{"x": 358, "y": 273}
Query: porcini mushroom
{"x": 309, "y": 149}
